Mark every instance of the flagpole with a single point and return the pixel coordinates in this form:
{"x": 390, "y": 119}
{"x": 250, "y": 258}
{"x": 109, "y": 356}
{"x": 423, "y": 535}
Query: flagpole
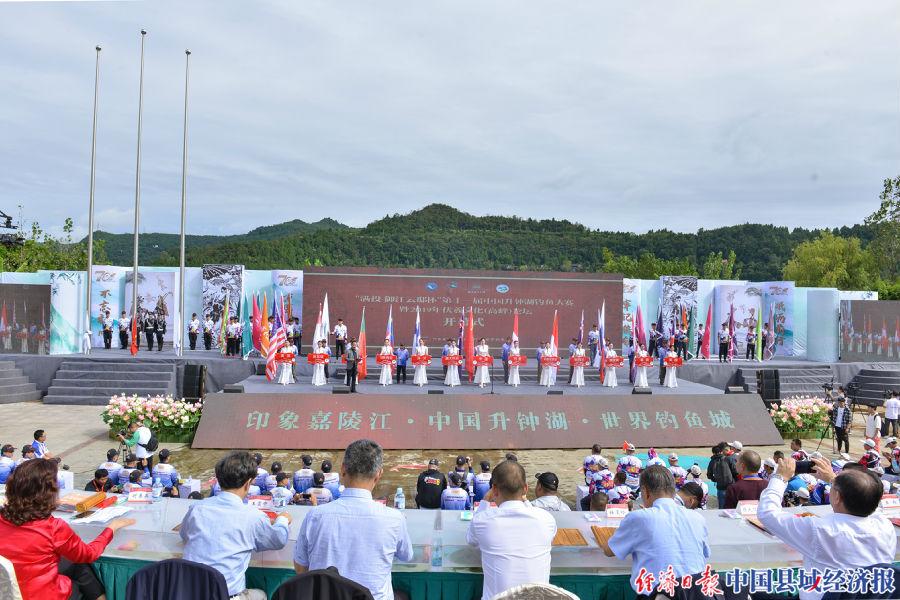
{"x": 187, "y": 70}
{"x": 137, "y": 184}
{"x": 90, "y": 242}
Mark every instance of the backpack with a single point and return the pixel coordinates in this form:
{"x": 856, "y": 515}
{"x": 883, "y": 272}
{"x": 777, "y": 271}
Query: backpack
{"x": 721, "y": 472}
{"x": 151, "y": 445}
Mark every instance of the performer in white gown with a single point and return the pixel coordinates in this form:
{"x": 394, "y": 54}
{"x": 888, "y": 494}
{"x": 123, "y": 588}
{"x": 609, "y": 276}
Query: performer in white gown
{"x": 641, "y": 380}
{"x": 514, "y": 369}
{"x": 578, "y": 372}
{"x": 548, "y": 373}
{"x": 452, "y": 377}
{"x": 482, "y": 374}
{"x": 421, "y": 376}
{"x": 387, "y": 376}
{"x": 671, "y": 380}
{"x": 285, "y": 373}
{"x": 609, "y": 379}
{"x": 318, "y": 377}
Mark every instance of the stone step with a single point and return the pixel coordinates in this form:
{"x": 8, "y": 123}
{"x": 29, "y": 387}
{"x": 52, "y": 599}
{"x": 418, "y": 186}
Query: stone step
{"x": 16, "y": 388}
{"x": 123, "y": 366}
{"x": 6, "y": 365}
{"x": 114, "y": 375}
{"x": 108, "y": 392}
{"x": 12, "y": 379}
{"x": 113, "y": 383}
{"x": 26, "y": 396}
{"x": 80, "y": 400}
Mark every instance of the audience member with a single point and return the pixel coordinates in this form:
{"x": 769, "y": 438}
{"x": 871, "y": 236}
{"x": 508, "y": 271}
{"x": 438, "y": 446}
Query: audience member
{"x": 751, "y": 485}
{"x": 166, "y": 473}
{"x": 721, "y": 472}
{"x": 514, "y": 538}
{"x": 318, "y": 490}
{"x": 354, "y": 534}
{"x": 112, "y": 465}
{"x": 690, "y": 495}
{"x": 40, "y": 445}
{"x": 27, "y": 454}
{"x": 332, "y": 480}
{"x": 303, "y": 477}
{"x": 546, "y": 493}
{"x": 100, "y": 482}
{"x": 464, "y": 469}
{"x": 797, "y": 451}
{"x": 7, "y": 462}
{"x": 619, "y": 493}
{"x": 282, "y": 494}
{"x": 631, "y": 465}
{"x": 454, "y": 497}
{"x": 222, "y": 532}
{"x": 599, "y": 500}
{"x": 482, "y": 481}
{"x": 125, "y": 472}
{"x": 430, "y": 486}
{"x": 261, "y": 474}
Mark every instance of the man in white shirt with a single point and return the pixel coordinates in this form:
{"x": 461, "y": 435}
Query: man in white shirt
{"x": 340, "y": 338}
{"x": 851, "y": 537}
{"x": 138, "y": 437}
{"x": 514, "y": 538}
{"x": 892, "y": 413}
{"x": 546, "y": 493}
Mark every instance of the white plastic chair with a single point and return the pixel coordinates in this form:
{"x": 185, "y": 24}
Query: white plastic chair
{"x": 535, "y": 591}
{"x": 9, "y": 586}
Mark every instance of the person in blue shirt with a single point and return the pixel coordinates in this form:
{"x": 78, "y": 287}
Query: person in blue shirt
{"x": 504, "y": 355}
{"x": 165, "y": 472}
{"x": 7, "y": 462}
{"x": 444, "y": 352}
{"x": 112, "y": 465}
{"x": 282, "y": 494}
{"x": 332, "y": 480}
{"x": 573, "y": 346}
{"x": 303, "y": 477}
{"x": 663, "y": 350}
{"x": 40, "y": 445}
{"x": 454, "y": 497}
{"x": 402, "y": 358}
{"x": 272, "y": 479}
{"x": 464, "y": 470}
{"x": 482, "y": 481}
{"x": 125, "y": 471}
{"x": 261, "y": 473}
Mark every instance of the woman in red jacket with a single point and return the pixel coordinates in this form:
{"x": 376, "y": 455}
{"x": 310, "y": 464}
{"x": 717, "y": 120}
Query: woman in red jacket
{"x": 49, "y": 558}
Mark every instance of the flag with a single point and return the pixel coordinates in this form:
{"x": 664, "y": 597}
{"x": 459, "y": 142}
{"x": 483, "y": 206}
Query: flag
{"x": 264, "y": 328}
{"x": 462, "y": 327}
{"x": 770, "y": 347}
{"x": 639, "y": 328}
{"x": 361, "y": 346}
{"x": 418, "y": 332}
{"x": 223, "y": 340}
{"x": 134, "y": 334}
{"x": 43, "y": 315}
{"x": 692, "y": 333}
{"x": 279, "y": 339}
{"x": 581, "y": 328}
{"x": 659, "y": 322}
{"x": 759, "y": 334}
{"x": 632, "y": 372}
{"x": 884, "y": 336}
{"x": 326, "y": 321}
{"x": 707, "y": 334}
{"x": 515, "y": 333}
{"x": 256, "y": 322}
{"x": 470, "y": 346}
{"x": 600, "y": 359}
{"x": 289, "y": 312}
{"x": 3, "y": 323}
{"x": 247, "y": 331}
{"x": 731, "y": 334}
{"x": 554, "y": 335}
{"x": 389, "y": 329}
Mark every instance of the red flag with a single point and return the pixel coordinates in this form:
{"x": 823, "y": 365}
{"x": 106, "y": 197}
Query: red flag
{"x": 884, "y": 335}
{"x": 731, "y": 345}
{"x": 255, "y": 322}
{"x": 554, "y": 335}
{"x": 515, "y": 334}
{"x": 3, "y": 323}
{"x": 639, "y": 328}
{"x": 134, "y": 334}
{"x": 470, "y": 346}
{"x": 704, "y": 343}
{"x": 362, "y": 371}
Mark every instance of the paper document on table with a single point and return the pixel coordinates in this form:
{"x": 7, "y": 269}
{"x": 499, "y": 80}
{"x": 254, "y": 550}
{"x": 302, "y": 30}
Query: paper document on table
{"x": 105, "y": 514}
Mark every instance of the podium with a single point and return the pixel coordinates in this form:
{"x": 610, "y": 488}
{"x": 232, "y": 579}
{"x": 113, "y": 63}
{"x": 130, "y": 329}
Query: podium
{"x": 643, "y": 361}
{"x": 550, "y": 361}
{"x": 421, "y": 360}
{"x": 579, "y": 361}
{"x": 673, "y": 362}
{"x": 615, "y": 361}
{"x": 484, "y": 361}
{"x": 385, "y": 359}
{"x": 518, "y": 360}
{"x": 319, "y": 358}
{"x": 453, "y": 360}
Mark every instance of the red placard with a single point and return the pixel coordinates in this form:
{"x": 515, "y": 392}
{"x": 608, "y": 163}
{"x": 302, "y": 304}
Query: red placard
{"x": 385, "y": 359}
{"x": 453, "y": 360}
{"x": 673, "y": 361}
{"x": 518, "y": 360}
{"x": 421, "y": 360}
{"x": 343, "y": 359}
{"x": 284, "y": 357}
{"x": 319, "y": 358}
{"x": 615, "y": 361}
{"x": 579, "y": 361}
{"x": 484, "y": 361}
{"x": 550, "y": 361}
{"x": 643, "y": 361}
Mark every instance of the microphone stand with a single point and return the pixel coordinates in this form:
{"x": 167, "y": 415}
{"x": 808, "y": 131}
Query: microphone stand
{"x": 492, "y": 378}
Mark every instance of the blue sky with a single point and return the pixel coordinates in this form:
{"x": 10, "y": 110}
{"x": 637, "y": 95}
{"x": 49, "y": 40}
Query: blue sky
{"x": 622, "y": 116}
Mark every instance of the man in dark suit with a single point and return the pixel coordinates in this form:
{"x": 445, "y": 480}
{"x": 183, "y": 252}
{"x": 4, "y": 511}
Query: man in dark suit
{"x": 840, "y": 419}
{"x": 150, "y": 329}
{"x": 353, "y": 359}
{"x": 160, "y": 330}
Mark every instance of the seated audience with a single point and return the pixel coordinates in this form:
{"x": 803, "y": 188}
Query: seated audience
{"x": 100, "y": 482}
{"x": 125, "y": 472}
{"x": 303, "y": 477}
{"x": 454, "y": 497}
{"x": 7, "y": 462}
{"x": 482, "y": 481}
{"x": 282, "y": 494}
{"x": 690, "y": 495}
{"x": 318, "y": 489}
{"x": 546, "y": 493}
{"x": 750, "y": 485}
{"x": 620, "y": 493}
{"x": 599, "y": 500}
{"x": 261, "y": 474}
{"x": 164, "y": 471}
{"x": 332, "y": 480}
{"x": 27, "y": 454}
{"x": 112, "y": 465}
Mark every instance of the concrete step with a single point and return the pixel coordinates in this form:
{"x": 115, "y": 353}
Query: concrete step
{"x": 80, "y": 400}
{"x": 26, "y": 396}
{"x": 124, "y": 366}
{"x": 113, "y": 383}
{"x": 113, "y": 375}
{"x": 12, "y": 380}
{"x": 108, "y": 392}
{"x": 7, "y": 365}
{"x": 16, "y": 388}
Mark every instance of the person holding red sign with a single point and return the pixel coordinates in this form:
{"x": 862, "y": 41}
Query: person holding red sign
{"x": 548, "y": 372}
{"x": 610, "y": 376}
{"x": 641, "y": 380}
{"x": 319, "y": 377}
{"x": 513, "y": 379}
{"x": 671, "y": 379}
{"x": 578, "y": 370}
{"x": 482, "y": 374}
{"x": 451, "y": 377}
{"x": 421, "y": 376}
{"x": 386, "y": 376}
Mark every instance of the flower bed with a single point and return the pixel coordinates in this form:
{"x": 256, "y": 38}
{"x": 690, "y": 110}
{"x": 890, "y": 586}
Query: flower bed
{"x": 173, "y": 421}
{"x": 800, "y": 416}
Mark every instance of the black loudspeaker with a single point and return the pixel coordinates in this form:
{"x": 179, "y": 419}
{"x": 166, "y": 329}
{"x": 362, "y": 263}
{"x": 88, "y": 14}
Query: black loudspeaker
{"x": 340, "y": 390}
{"x": 768, "y": 384}
{"x": 233, "y": 389}
{"x": 641, "y": 390}
{"x": 435, "y": 391}
{"x": 261, "y": 368}
{"x": 193, "y": 385}
{"x": 554, "y": 392}
{"x": 734, "y": 389}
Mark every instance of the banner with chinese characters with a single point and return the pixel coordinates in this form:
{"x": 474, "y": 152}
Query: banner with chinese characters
{"x": 746, "y": 300}
{"x": 631, "y": 299}
{"x": 778, "y": 305}
{"x": 326, "y": 421}
{"x": 107, "y": 287}
{"x": 289, "y": 284}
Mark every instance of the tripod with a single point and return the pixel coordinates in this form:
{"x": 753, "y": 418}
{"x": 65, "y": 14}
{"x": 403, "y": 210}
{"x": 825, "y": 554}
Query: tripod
{"x": 824, "y": 433}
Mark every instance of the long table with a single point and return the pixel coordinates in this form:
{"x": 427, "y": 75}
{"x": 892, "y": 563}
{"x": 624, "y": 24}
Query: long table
{"x": 585, "y": 571}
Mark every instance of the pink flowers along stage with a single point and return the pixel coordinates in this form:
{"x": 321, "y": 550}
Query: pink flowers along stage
{"x": 165, "y": 415}
{"x": 800, "y": 414}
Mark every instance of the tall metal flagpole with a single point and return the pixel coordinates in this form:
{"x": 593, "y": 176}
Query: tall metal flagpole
{"x": 90, "y": 242}
{"x": 137, "y": 186}
{"x": 187, "y": 71}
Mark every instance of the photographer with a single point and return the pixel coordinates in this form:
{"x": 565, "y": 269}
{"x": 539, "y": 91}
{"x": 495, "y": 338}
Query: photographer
{"x": 140, "y": 440}
{"x": 840, "y": 417}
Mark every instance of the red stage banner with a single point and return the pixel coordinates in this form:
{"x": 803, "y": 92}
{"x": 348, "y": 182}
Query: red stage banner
{"x": 673, "y": 361}
{"x": 397, "y": 421}
{"x": 285, "y": 357}
{"x": 319, "y": 358}
{"x": 385, "y": 359}
{"x": 550, "y": 361}
{"x": 519, "y": 360}
{"x": 451, "y": 361}
{"x": 643, "y": 361}
{"x": 615, "y": 361}
{"x": 579, "y": 361}
{"x": 484, "y": 361}
{"x": 422, "y": 359}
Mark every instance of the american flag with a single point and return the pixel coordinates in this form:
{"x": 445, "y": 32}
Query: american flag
{"x": 279, "y": 339}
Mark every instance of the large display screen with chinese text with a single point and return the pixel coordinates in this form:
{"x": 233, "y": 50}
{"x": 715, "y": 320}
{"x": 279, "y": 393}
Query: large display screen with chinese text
{"x": 326, "y": 421}
{"x": 443, "y": 295}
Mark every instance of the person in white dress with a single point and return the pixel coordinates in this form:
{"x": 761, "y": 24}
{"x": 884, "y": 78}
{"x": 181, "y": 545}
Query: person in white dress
{"x": 285, "y": 373}
{"x": 609, "y": 379}
{"x": 578, "y": 372}
{"x": 452, "y": 376}
{"x": 671, "y": 380}
{"x": 482, "y": 374}
{"x": 421, "y": 376}
{"x": 548, "y": 373}
{"x": 641, "y": 380}
{"x": 514, "y": 369}
{"x": 318, "y": 377}
{"x": 387, "y": 376}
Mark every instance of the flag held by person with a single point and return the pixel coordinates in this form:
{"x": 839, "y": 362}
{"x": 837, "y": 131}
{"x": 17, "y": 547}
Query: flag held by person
{"x": 362, "y": 371}
{"x": 389, "y": 329}
{"x": 470, "y": 346}
{"x": 247, "y": 329}
{"x": 223, "y": 339}
{"x": 731, "y": 328}
{"x": 600, "y": 359}
{"x": 704, "y": 343}
{"x": 418, "y": 331}
{"x": 279, "y": 339}
{"x": 264, "y": 327}
{"x": 515, "y": 332}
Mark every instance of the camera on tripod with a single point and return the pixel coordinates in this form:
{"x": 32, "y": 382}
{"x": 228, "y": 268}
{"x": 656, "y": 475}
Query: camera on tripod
{"x": 123, "y": 432}
{"x": 828, "y": 387}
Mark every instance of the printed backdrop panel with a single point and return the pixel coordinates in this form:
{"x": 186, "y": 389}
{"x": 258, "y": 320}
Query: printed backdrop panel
{"x": 156, "y": 293}
{"x": 221, "y": 282}
{"x": 676, "y": 292}
{"x": 289, "y": 284}
{"x": 746, "y": 300}
{"x": 107, "y": 287}
{"x": 67, "y": 302}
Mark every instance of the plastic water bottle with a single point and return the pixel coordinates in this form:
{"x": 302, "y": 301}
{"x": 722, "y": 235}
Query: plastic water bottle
{"x": 157, "y": 490}
{"x": 437, "y": 551}
{"x": 399, "y": 499}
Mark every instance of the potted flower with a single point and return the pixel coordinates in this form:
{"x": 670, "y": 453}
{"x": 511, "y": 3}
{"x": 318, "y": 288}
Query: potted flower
{"x": 800, "y": 417}
{"x": 172, "y": 420}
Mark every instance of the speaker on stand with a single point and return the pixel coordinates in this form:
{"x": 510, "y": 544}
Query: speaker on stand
{"x": 193, "y": 385}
